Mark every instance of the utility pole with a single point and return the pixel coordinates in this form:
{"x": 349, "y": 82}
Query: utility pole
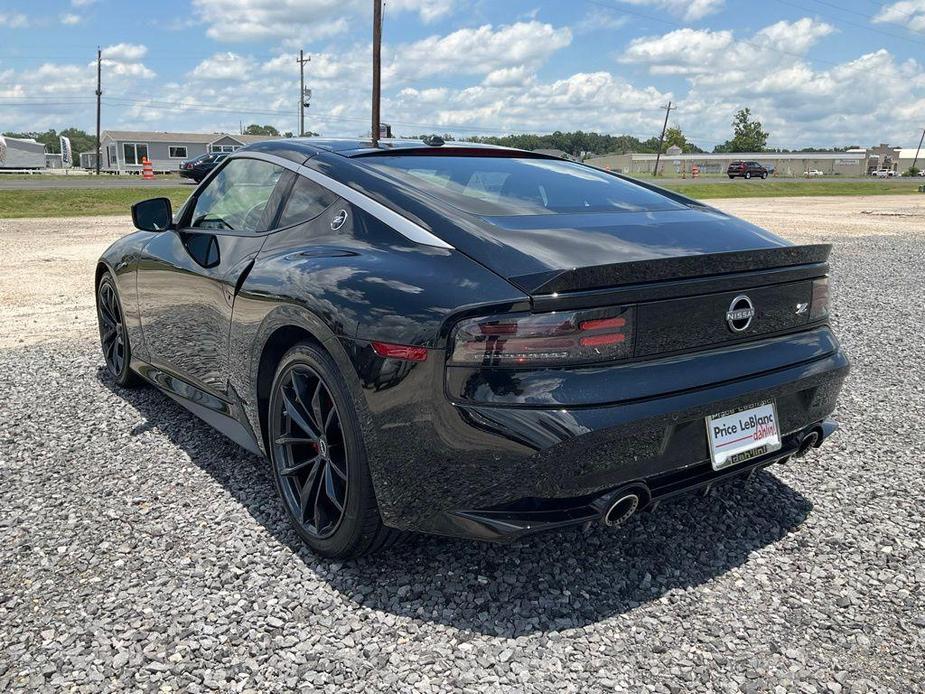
{"x": 302, "y": 60}
{"x": 377, "y": 65}
{"x": 99, "y": 94}
{"x": 661, "y": 139}
{"x": 918, "y": 149}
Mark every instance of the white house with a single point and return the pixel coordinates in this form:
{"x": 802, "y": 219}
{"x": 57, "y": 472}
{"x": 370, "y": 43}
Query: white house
{"x": 124, "y": 150}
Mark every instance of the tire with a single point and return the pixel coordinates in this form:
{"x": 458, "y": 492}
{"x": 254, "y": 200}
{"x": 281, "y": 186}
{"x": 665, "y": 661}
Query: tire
{"x": 324, "y": 466}
{"x": 114, "y": 340}
{"x": 764, "y": 175}
{"x": 748, "y": 174}
{"x": 731, "y": 178}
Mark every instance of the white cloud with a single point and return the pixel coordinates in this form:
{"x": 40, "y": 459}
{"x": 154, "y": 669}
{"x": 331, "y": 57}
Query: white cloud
{"x": 225, "y": 66}
{"x": 13, "y": 20}
{"x": 688, "y": 10}
{"x": 125, "y": 52}
{"x": 524, "y": 45}
{"x": 124, "y": 60}
{"x": 907, "y": 13}
{"x": 300, "y": 21}
{"x": 599, "y": 19}
{"x": 589, "y": 101}
{"x": 82, "y": 3}
{"x": 428, "y": 10}
{"x": 70, "y": 19}
{"x": 507, "y": 77}
{"x": 720, "y": 53}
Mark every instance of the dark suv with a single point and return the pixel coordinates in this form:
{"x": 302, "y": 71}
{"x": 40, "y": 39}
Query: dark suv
{"x": 746, "y": 169}
{"x": 197, "y": 168}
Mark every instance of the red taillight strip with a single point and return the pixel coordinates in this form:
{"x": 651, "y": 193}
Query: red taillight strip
{"x": 601, "y": 323}
{"x": 405, "y": 352}
{"x": 605, "y": 339}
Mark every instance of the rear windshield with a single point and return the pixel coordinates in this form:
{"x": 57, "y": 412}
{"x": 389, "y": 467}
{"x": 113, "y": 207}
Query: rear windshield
{"x": 498, "y": 186}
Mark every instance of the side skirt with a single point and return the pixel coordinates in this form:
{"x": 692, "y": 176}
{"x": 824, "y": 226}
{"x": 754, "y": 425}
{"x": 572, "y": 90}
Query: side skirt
{"x": 225, "y": 417}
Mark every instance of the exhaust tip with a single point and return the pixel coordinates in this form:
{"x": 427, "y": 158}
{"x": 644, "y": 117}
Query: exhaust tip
{"x": 809, "y": 441}
{"x": 620, "y": 510}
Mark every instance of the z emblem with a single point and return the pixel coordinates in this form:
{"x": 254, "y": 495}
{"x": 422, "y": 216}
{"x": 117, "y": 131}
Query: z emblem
{"x": 337, "y": 221}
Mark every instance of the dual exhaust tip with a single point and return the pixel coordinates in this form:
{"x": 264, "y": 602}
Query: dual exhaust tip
{"x": 619, "y": 507}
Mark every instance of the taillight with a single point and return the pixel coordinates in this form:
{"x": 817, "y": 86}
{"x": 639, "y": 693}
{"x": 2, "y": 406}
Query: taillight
{"x": 544, "y": 339}
{"x": 819, "y": 308}
{"x": 405, "y": 352}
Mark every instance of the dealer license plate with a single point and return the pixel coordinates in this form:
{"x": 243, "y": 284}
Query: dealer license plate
{"x": 740, "y": 435}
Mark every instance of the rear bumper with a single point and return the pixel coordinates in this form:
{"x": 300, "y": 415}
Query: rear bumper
{"x": 463, "y": 470}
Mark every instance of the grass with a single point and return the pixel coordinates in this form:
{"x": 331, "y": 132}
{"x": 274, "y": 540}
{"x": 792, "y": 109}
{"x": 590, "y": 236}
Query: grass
{"x": 774, "y": 189}
{"x": 82, "y": 202}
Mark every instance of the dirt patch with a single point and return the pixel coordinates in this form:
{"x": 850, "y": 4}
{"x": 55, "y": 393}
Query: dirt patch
{"x": 46, "y": 288}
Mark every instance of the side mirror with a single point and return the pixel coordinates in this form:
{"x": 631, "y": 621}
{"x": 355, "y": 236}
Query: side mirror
{"x": 155, "y": 214}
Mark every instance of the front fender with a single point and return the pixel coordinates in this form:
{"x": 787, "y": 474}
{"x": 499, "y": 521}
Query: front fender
{"x": 121, "y": 260}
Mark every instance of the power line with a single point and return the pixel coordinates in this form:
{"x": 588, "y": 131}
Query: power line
{"x": 865, "y": 27}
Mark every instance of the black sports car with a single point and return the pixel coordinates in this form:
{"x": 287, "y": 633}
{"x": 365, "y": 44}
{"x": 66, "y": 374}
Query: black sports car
{"x": 468, "y": 340}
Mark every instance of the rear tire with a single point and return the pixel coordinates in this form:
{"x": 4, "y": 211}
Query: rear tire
{"x": 731, "y": 177}
{"x": 748, "y": 174}
{"x": 319, "y": 460}
{"x": 114, "y": 339}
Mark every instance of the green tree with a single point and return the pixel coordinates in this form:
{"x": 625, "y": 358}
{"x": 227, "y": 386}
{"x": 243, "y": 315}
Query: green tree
{"x": 254, "y": 129}
{"x": 675, "y": 138}
{"x": 747, "y": 134}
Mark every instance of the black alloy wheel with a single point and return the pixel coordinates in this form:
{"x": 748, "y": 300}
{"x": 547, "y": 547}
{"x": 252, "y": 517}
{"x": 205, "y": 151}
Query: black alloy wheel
{"x": 311, "y": 454}
{"x": 318, "y": 457}
{"x": 113, "y": 335}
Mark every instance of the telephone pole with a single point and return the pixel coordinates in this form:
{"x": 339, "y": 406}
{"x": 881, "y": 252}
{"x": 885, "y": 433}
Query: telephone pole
{"x": 661, "y": 139}
{"x": 377, "y": 65}
{"x": 99, "y": 94}
{"x": 918, "y": 149}
{"x": 302, "y": 60}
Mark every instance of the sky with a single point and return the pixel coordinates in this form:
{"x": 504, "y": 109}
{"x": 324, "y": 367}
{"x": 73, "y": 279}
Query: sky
{"x": 814, "y": 72}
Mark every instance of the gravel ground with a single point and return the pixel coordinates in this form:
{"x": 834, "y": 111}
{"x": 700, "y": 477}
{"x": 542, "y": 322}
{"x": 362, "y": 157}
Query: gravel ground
{"x": 141, "y": 550}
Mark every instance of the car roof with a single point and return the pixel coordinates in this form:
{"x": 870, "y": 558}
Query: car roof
{"x": 305, "y": 147}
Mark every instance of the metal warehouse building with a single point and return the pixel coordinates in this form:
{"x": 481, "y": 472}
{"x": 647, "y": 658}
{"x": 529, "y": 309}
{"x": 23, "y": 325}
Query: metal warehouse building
{"x": 674, "y": 163}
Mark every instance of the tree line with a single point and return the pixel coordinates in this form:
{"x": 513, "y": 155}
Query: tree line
{"x": 748, "y": 135}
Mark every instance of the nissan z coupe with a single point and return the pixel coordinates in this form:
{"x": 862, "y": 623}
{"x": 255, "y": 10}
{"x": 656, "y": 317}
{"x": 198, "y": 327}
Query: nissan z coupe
{"x": 467, "y": 340}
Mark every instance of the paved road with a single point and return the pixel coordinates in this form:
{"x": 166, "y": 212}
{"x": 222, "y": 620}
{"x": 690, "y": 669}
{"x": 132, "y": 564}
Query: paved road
{"x": 41, "y": 182}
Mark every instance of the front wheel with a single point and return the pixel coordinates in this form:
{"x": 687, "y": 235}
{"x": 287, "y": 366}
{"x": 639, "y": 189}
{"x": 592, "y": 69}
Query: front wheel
{"x": 764, "y": 175}
{"x": 113, "y": 336}
{"x": 731, "y": 177}
{"x": 319, "y": 458}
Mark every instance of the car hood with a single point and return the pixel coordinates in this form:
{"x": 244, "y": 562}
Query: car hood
{"x": 541, "y": 251}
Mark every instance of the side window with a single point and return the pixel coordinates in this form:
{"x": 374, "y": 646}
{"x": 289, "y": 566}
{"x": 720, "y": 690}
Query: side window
{"x": 306, "y": 201}
{"x": 236, "y": 199}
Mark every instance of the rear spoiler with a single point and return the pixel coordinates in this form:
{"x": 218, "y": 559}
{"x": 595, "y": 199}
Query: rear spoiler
{"x": 638, "y": 272}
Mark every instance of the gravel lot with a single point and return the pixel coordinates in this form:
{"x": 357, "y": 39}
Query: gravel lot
{"x": 140, "y": 550}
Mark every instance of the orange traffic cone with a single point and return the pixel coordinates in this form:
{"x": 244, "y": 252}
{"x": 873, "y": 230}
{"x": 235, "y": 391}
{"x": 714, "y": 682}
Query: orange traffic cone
{"x": 147, "y": 169}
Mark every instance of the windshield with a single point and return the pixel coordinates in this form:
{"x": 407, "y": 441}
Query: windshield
{"x": 500, "y": 186}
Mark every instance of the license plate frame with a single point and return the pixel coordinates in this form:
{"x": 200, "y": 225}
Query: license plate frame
{"x": 745, "y": 433}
